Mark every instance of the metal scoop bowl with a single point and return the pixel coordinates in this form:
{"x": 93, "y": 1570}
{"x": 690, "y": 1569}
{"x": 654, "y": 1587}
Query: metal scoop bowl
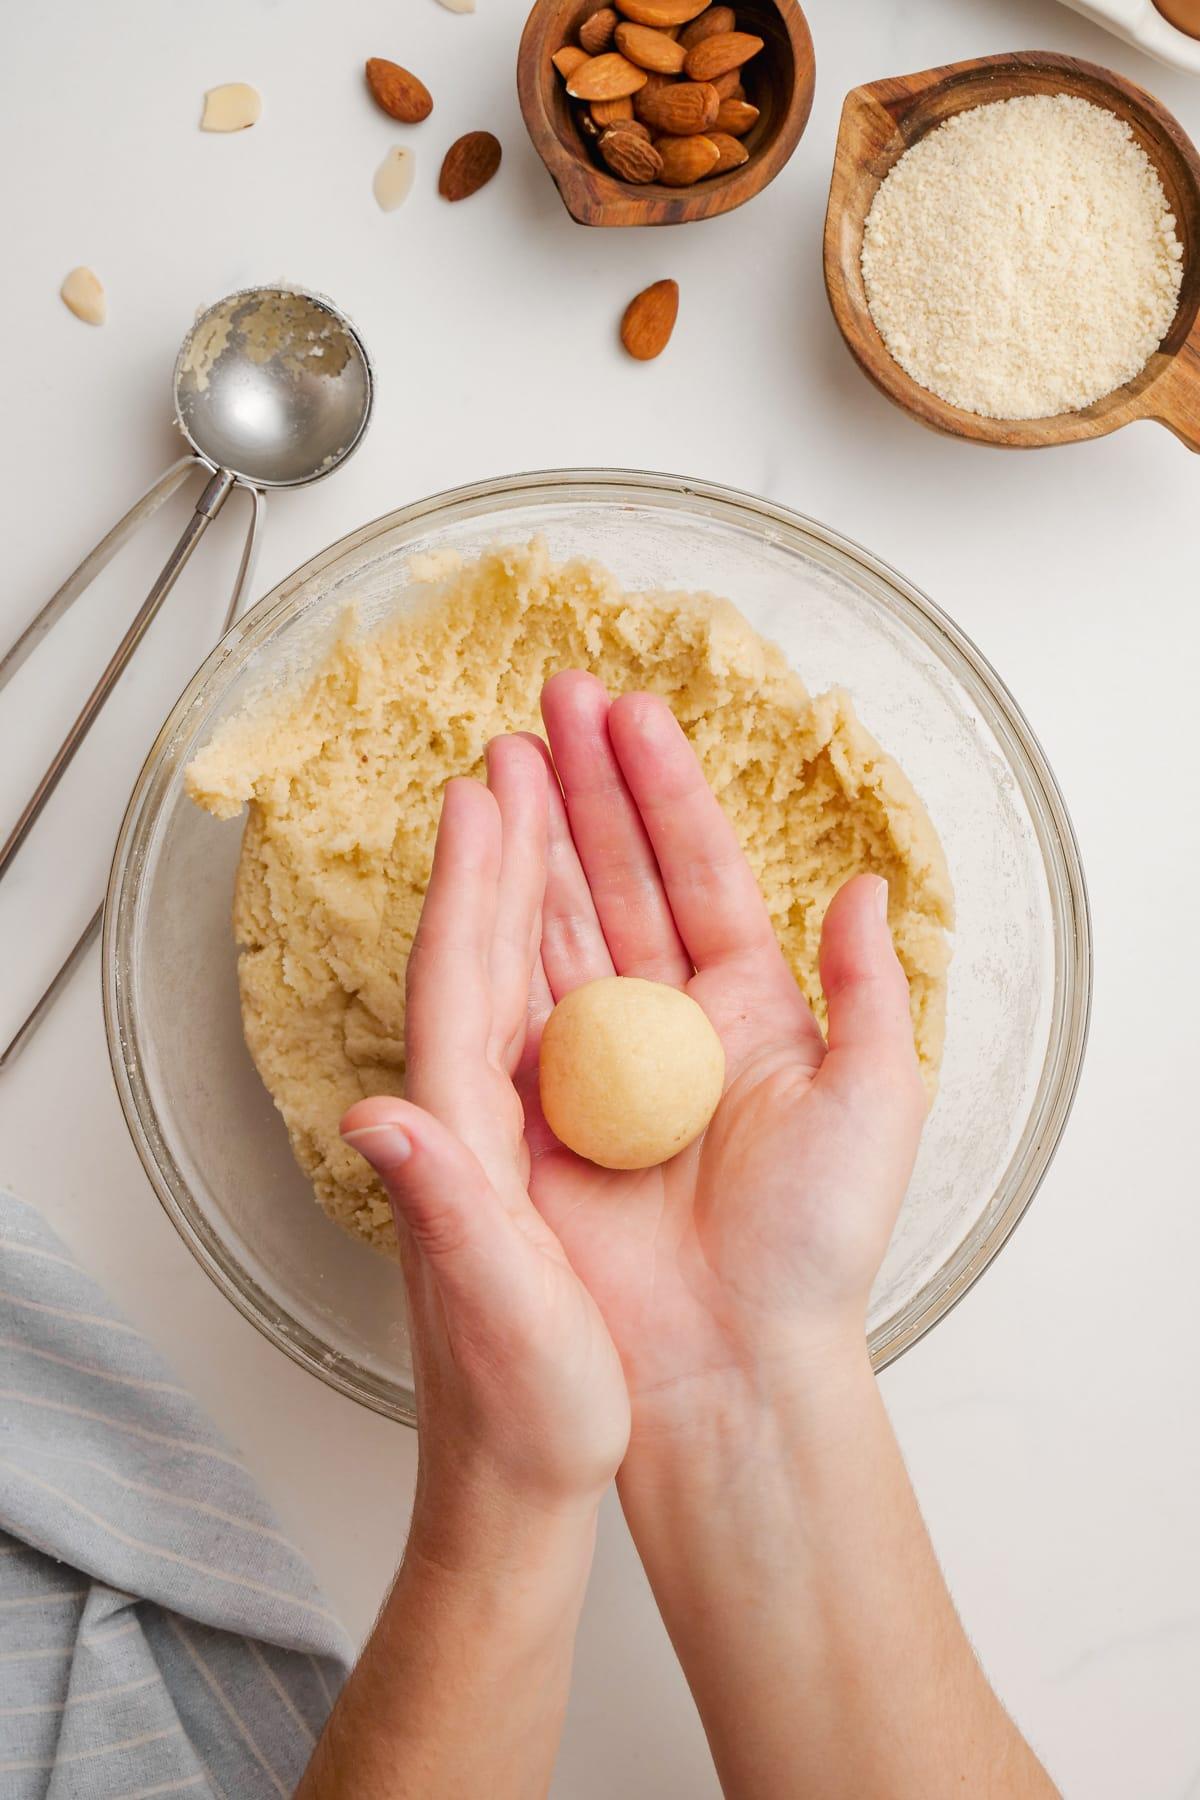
{"x": 273, "y": 389}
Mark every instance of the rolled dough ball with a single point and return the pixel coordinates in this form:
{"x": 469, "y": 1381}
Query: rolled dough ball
{"x": 631, "y": 1071}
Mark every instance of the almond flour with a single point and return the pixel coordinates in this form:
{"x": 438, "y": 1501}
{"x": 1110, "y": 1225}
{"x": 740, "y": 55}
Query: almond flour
{"x": 1022, "y": 260}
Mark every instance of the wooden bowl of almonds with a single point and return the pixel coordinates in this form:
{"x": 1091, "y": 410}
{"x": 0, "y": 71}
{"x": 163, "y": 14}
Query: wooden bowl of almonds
{"x": 656, "y": 112}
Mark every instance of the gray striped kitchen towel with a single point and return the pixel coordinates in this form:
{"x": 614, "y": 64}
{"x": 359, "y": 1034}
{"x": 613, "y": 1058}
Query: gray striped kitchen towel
{"x": 158, "y": 1634}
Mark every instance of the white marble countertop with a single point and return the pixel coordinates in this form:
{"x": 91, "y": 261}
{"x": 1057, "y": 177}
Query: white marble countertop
{"x": 1052, "y": 1423}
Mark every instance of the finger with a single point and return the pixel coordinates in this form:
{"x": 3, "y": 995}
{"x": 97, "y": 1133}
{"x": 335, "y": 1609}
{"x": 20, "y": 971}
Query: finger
{"x": 573, "y": 946}
{"x": 516, "y": 776}
{"x": 449, "y": 1012}
{"x": 440, "y": 1194}
{"x": 714, "y": 897}
{"x": 870, "y": 1033}
{"x": 611, "y": 839}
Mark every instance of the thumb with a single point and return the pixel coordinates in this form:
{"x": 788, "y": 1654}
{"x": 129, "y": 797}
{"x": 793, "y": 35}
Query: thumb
{"x": 436, "y": 1187}
{"x": 870, "y": 1026}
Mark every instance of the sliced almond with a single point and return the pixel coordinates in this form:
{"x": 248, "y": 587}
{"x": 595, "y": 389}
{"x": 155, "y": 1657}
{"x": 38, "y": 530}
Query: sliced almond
{"x": 680, "y": 108}
{"x": 394, "y": 178}
{"x": 686, "y": 159}
{"x": 233, "y": 107}
{"x": 568, "y": 59}
{"x": 649, "y": 320}
{"x": 596, "y": 33}
{"x": 650, "y": 49}
{"x": 664, "y": 13}
{"x": 606, "y": 77}
{"x": 736, "y": 117}
{"x": 733, "y": 154}
{"x": 612, "y": 112}
{"x": 718, "y": 55}
{"x": 459, "y": 6}
{"x": 83, "y": 294}
{"x": 630, "y": 156}
{"x": 712, "y": 21}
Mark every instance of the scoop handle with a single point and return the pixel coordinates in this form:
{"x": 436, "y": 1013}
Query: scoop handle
{"x": 54, "y": 609}
{"x": 1174, "y": 400}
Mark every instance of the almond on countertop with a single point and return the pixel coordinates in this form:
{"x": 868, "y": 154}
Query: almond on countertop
{"x": 469, "y": 164}
{"x": 232, "y": 107}
{"x": 712, "y": 20}
{"x": 686, "y": 159}
{"x": 83, "y": 294}
{"x": 400, "y": 93}
{"x": 596, "y": 33}
{"x": 650, "y": 49}
{"x": 607, "y": 77}
{"x": 394, "y": 178}
{"x": 649, "y": 320}
{"x": 718, "y": 55}
{"x": 680, "y": 108}
{"x": 630, "y": 156}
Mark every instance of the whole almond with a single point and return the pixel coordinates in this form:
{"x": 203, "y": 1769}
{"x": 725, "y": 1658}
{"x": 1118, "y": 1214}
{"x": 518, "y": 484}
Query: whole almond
{"x": 733, "y": 154}
{"x": 729, "y": 85}
{"x": 736, "y": 117}
{"x": 663, "y": 13}
{"x": 631, "y": 157}
{"x": 650, "y": 319}
{"x": 712, "y": 21}
{"x": 596, "y": 33}
{"x": 469, "y": 164}
{"x": 650, "y": 49}
{"x": 606, "y": 77}
{"x": 686, "y": 159}
{"x": 680, "y": 108}
{"x": 398, "y": 91}
{"x": 718, "y": 55}
{"x": 632, "y": 125}
{"x": 568, "y": 59}
{"x": 612, "y": 112}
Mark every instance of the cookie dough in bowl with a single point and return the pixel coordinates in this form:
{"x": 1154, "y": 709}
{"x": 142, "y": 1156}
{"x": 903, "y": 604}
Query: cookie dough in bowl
{"x": 343, "y": 776}
{"x": 212, "y": 1141}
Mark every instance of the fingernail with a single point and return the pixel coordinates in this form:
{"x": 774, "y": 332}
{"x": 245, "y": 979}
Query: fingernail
{"x": 383, "y": 1145}
{"x": 881, "y": 897}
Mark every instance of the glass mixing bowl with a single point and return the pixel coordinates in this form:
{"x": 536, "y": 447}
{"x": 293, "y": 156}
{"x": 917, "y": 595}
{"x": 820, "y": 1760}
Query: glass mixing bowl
{"x": 211, "y": 1141}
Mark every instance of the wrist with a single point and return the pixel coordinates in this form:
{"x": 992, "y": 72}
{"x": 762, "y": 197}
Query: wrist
{"x": 469, "y": 1520}
{"x": 791, "y": 1390}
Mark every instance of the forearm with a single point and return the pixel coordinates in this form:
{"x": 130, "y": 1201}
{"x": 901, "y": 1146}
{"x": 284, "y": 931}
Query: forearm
{"x": 799, "y": 1586}
{"x": 462, "y": 1687}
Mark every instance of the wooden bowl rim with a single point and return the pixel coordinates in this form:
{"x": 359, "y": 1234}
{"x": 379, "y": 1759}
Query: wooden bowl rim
{"x": 1154, "y": 393}
{"x": 588, "y": 190}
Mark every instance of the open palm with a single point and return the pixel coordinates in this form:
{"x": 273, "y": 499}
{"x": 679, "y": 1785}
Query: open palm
{"x": 767, "y": 1232}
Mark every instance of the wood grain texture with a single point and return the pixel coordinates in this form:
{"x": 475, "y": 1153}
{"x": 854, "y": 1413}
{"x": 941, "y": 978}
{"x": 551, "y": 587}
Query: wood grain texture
{"x": 780, "y": 82}
{"x": 884, "y": 119}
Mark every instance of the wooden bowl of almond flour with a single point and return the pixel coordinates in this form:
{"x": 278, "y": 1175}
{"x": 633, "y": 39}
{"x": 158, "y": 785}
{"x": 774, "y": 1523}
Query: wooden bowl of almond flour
{"x": 1033, "y": 278}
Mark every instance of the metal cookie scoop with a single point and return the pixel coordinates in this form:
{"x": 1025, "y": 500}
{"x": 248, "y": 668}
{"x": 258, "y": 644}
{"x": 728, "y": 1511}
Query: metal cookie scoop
{"x": 273, "y": 389}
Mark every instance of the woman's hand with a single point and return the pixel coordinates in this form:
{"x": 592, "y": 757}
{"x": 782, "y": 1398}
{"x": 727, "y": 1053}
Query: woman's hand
{"x": 750, "y": 1255}
{"x": 520, "y": 1393}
